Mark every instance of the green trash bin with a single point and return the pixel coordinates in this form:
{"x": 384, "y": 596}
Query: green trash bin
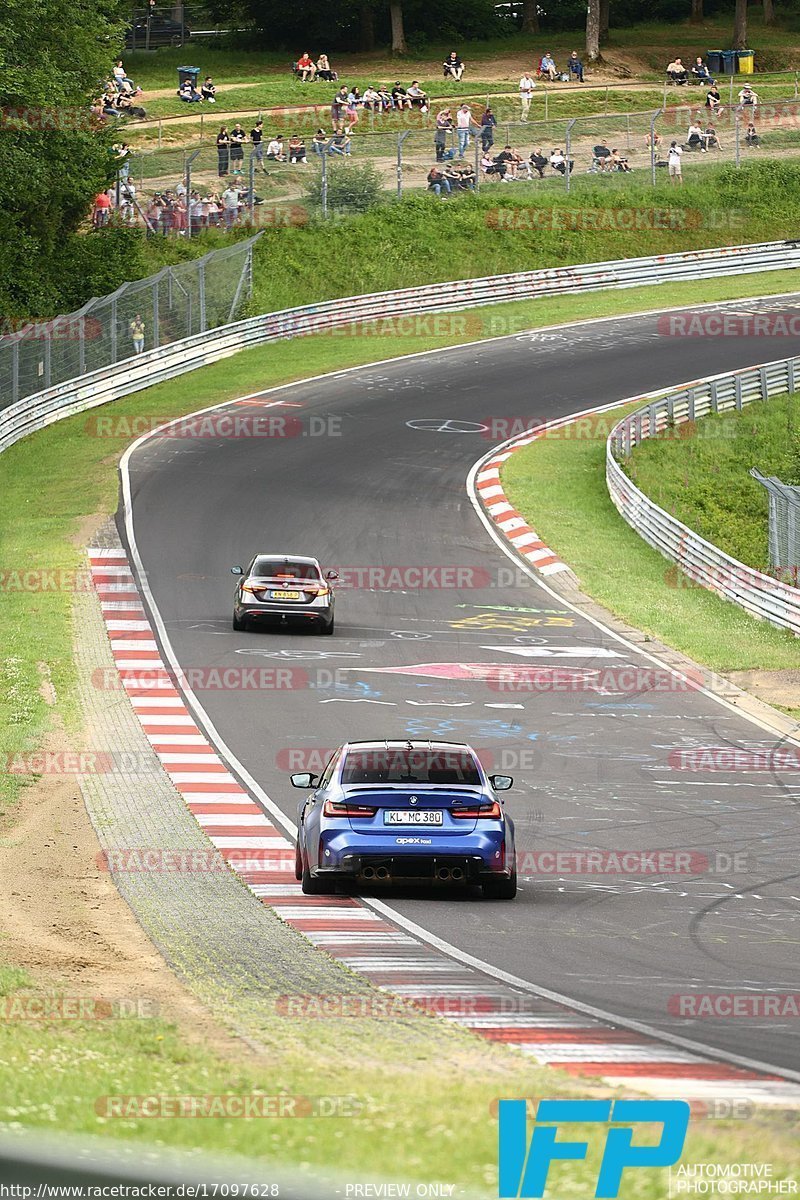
{"x": 188, "y": 73}
{"x": 729, "y": 62}
{"x": 746, "y": 62}
{"x": 714, "y": 62}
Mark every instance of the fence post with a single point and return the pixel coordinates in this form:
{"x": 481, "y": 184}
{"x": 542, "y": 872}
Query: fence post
{"x": 546, "y": 105}
{"x": 730, "y": 97}
{"x": 738, "y": 125}
{"x": 201, "y": 283}
{"x": 324, "y": 189}
{"x": 188, "y": 185}
{"x": 252, "y": 204}
{"x": 477, "y": 145}
{"x": 114, "y": 330}
{"x": 653, "y": 120}
{"x": 401, "y": 137}
{"x": 156, "y": 334}
{"x": 627, "y": 131}
{"x": 15, "y": 370}
{"x": 567, "y": 148}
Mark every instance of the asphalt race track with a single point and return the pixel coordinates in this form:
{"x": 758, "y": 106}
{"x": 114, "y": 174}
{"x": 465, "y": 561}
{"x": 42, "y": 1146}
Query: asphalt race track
{"x": 361, "y": 486}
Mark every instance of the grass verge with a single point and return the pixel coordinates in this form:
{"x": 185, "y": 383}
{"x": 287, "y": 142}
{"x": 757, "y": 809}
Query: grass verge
{"x": 559, "y": 484}
{"x": 51, "y": 1074}
{"x": 703, "y": 476}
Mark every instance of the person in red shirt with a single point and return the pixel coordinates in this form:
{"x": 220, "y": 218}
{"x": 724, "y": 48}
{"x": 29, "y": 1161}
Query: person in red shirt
{"x": 305, "y": 67}
{"x": 102, "y": 209}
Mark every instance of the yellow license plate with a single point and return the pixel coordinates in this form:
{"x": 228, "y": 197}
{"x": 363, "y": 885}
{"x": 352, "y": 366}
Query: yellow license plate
{"x": 284, "y": 595}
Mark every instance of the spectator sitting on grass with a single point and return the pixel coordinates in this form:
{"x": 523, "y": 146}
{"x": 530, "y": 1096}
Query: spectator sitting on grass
{"x": 296, "y": 149}
{"x": 324, "y": 69}
{"x": 559, "y": 163}
{"x": 602, "y": 156}
{"x": 713, "y": 101}
{"x": 121, "y": 77}
{"x": 275, "y": 150}
{"x": 677, "y": 71}
{"x": 491, "y": 166}
{"x": 340, "y": 144}
{"x": 748, "y": 96}
{"x": 189, "y": 93}
{"x": 575, "y": 66}
{"x": 700, "y": 72}
{"x": 385, "y": 97}
{"x": 512, "y": 160}
{"x": 319, "y": 141}
{"x": 453, "y": 66}
{"x": 548, "y": 67}
{"x": 417, "y": 97}
{"x": 208, "y": 90}
{"x": 466, "y": 176}
{"x": 751, "y": 137}
{"x": 694, "y": 137}
{"x": 437, "y": 182}
{"x": 711, "y": 138}
{"x": 537, "y": 162}
{"x": 306, "y": 68}
{"x": 400, "y": 96}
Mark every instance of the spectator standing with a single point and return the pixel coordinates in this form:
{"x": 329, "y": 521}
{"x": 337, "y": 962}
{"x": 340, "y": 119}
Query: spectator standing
{"x": 102, "y": 209}
{"x": 230, "y": 205}
{"x": 463, "y": 126}
{"x": 488, "y": 126}
{"x": 444, "y": 123}
{"x": 257, "y": 142}
{"x": 223, "y": 151}
{"x": 339, "y": 108}
{"x": 136, "y": 329}
{"x": 526, "y": 85}
{"x": 674, "y": 163}
{"x": 575, "y": 67}
{"x": 238, "y": 138}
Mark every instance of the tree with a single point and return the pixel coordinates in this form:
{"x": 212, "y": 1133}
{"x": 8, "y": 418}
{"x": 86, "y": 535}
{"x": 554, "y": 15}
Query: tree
{"x": 399, "y": 44}
{"x": 593, "y": 31}
{"x": 769, "y": 12}
{"x": 604, "y": 20}
{"x": 697, "y": 12}
{"x": 740, "y": 25}
{"x": 530, "y": 16}
{"x": 366, "y": 41}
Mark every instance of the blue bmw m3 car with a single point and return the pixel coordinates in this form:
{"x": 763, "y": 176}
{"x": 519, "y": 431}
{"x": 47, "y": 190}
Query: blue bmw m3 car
{"x": 405, "y": 812}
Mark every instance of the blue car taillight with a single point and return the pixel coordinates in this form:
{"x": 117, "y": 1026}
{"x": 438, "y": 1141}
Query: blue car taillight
{"x": 481, "y": 812}
{"x": 332, "y": 808}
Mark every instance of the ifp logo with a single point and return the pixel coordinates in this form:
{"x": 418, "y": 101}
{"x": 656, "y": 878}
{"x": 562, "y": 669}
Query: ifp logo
{"x": 524, "y": 1169}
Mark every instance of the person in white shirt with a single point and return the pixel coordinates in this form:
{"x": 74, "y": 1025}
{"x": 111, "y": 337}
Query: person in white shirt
{"x": 694, "y": 138}
{"x": 674, "y": 163}
{"x": 463, "y": 125}
{"x": 275, "y": 150}
{"x": 230, "y": 206}
{"x": 526, "y": 85}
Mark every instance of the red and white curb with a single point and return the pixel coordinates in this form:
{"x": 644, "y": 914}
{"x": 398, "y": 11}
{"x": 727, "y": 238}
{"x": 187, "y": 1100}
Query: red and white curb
{"x": 350, "y": 931}
{"x": 508, "y": 521}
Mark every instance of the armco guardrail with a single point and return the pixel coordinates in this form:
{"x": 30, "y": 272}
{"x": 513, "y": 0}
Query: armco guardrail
{"x": 703, "y": 563}
{"x": 111, "y": 383}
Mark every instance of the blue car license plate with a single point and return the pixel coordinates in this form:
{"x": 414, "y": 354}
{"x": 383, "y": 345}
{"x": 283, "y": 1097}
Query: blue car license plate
{"x": 413, "y": 816}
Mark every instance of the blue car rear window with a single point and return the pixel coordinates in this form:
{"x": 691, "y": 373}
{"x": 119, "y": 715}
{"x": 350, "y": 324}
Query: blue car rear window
{"x": 390, "y": 765}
